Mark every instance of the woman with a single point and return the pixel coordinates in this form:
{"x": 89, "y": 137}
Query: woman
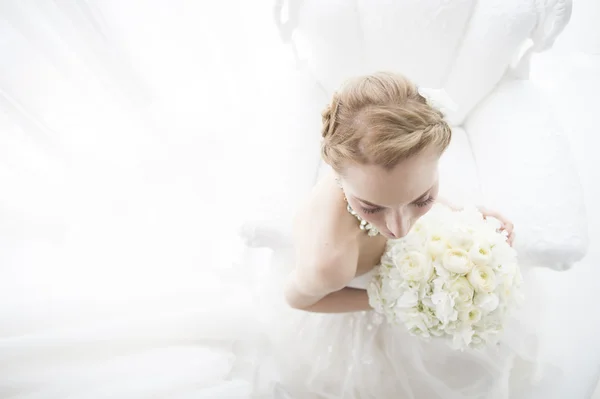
{"x": 383, "y": 142}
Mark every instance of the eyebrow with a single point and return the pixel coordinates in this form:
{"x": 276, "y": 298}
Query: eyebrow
{"x": 422, "y": 197}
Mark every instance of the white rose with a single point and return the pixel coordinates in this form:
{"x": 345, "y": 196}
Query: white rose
{"x": 471, "y": 315}
{"x": 461, "y": 239}
{"x": 481, "y": 254}
{"x": 486, "y": 302}
{"x": 504, "y": 253}
{"x": 482, "y": 278}
{"x": 414, "y": 266}
{"x": 457, "y": 261}
{"x": 464, "y": 292}
{"x": 437, "y": 246}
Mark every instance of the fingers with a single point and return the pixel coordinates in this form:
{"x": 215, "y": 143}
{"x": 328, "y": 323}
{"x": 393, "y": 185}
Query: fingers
{"x": 510, "y": 232}
{"x": 511, "y": 238}
{"x": 506, "y": 225}
{"x": 494, "y": 214}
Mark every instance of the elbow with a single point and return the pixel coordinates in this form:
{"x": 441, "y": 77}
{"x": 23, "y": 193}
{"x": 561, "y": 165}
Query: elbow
{"x": 296, "y": 305}
{"x": 290, "y": 300}
{"x": 294, "y": 301}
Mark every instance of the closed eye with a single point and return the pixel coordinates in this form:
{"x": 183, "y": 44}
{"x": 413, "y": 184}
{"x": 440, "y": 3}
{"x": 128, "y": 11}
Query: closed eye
{"x": 370, "y": 210}
{"x": 424, "y": 203}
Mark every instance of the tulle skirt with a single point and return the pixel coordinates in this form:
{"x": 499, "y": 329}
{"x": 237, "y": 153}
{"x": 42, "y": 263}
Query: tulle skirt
{"x": 359, "y": 355}
{"x": 234, "y": 337}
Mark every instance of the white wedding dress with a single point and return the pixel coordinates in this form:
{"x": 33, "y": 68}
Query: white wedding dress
{"x": 357, "y": 355}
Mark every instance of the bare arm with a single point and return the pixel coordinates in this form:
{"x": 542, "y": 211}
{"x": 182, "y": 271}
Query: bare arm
{"x": 345, "y": 300}
{"x": 322, "y": 288}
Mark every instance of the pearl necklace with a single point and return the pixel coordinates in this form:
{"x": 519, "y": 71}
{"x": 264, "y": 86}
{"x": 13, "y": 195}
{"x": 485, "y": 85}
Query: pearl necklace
{"x": 364, "y": 225}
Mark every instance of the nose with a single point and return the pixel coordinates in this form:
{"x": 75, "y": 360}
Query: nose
{"x": 398, "y": 225}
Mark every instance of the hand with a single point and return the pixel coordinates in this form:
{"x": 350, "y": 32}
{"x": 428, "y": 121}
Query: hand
{"x": 507, "y": 225}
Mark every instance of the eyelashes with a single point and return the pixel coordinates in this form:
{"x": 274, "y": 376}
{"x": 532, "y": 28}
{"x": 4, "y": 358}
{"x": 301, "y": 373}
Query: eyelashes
{"x": 371, "y": 210}
{"x": 424, "y": 203}
{"x": 420, "y": 204}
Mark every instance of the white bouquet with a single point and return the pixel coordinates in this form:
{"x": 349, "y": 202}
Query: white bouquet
{"x": 453, "y": 276}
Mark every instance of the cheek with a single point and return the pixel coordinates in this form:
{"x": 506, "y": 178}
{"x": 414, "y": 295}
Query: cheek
{"x": 377, "y": 219}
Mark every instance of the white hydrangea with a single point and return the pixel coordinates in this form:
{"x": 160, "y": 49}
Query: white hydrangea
{"x": 453, "y": 276}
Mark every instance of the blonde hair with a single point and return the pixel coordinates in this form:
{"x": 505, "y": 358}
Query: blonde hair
{"x": 380, "y": 119}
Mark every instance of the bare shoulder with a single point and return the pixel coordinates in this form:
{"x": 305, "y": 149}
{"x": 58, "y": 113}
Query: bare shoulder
{"x": 324, "y": 238}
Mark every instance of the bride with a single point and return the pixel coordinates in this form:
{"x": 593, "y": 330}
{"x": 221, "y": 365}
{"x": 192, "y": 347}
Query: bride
{"x": 131, "y": 295}
{"x": 382, "y": 140}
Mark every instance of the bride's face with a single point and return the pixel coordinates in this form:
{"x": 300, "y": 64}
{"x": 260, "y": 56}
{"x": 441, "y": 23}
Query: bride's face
{"x": 393, "y": 200}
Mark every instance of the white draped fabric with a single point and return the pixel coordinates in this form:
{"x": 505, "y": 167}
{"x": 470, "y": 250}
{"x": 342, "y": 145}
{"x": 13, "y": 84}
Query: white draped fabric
{"x": 134, "y": 137}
